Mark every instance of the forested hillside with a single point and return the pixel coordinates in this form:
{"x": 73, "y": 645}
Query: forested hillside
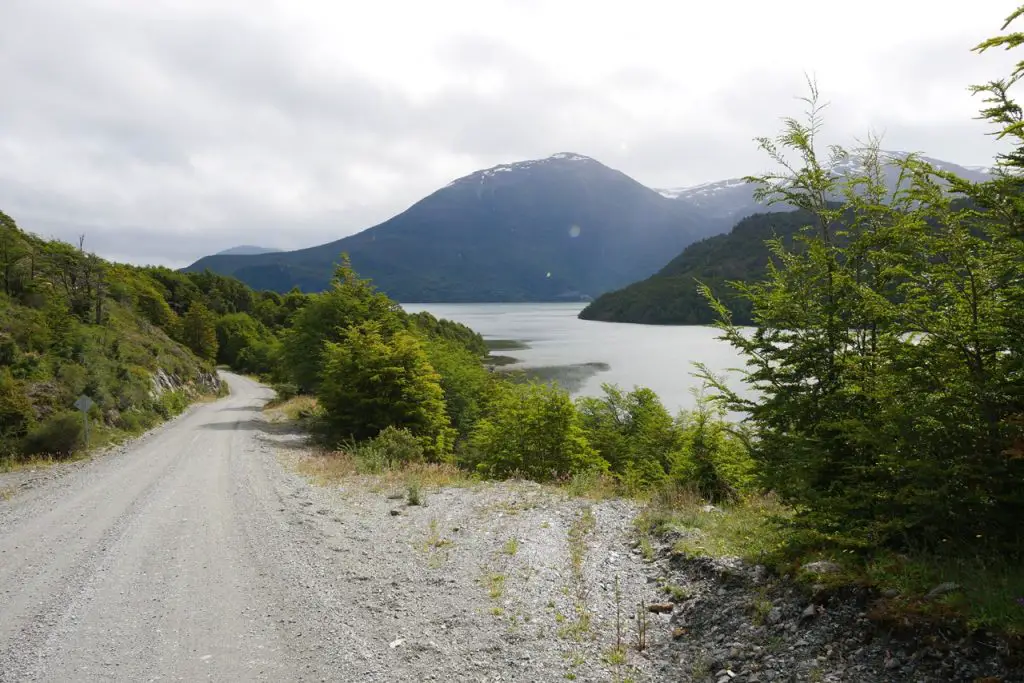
{"x": 671, "y": 296}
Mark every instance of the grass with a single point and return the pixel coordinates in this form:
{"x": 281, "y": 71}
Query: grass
{"x": 330, "y": 468}
{"x": 37, "y": 462}
{"x": 511, "y": 546}
{"x": 292, "y": 409}
{"x": 495, "y": 586}
{"x": 434, "y": 538}
{"x": 579, "y": 531}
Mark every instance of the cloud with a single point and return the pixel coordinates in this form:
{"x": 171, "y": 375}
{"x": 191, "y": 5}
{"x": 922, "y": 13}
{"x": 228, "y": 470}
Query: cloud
{"x": 169, "y": 130}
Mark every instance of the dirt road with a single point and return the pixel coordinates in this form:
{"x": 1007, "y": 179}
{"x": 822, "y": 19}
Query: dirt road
{"x": 194, "y": 555}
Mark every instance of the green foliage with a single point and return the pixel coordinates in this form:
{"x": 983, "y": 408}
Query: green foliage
{"x": 70, "y": 324}
{"x": 531, "y": 430}
{"x": 371, "y": 381}
{"x": 16, "y": 414}
{"x": 887, "y": 355}
{"x": 466, "y": 383}
{"x": 713, "y": 455}
{"x": 199, "y": 331}
{"x": 324, "y": 318}
{"x": 59, "y": 436}
{"x": 449, "y": 331}
{"x": 236, "y": 333}
{"x": 632, "y": 431}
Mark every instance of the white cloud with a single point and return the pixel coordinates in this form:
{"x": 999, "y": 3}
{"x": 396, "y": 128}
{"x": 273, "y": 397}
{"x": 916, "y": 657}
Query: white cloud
{"x": 168, "y": 130}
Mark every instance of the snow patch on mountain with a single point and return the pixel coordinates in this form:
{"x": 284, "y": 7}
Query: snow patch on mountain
{"x": 485, "y": 174}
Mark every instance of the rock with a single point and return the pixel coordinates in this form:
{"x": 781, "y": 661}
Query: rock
{"x": 942, "y": 589}
{"x": 809, "y": 612}
{"x": 710, "y": 508}
{"x": 821, "y": 567}
{"x": 395, "y": 512}
{"x": 774, "y": 616}
{"x": 660, "y": 607}
{"x": 397, "y": 643}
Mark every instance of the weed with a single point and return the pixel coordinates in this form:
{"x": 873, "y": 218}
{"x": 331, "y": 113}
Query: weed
{"x": 641, "y": 627}
{"x": 496, "y": 586}
{"x": 700, "y": 668}
{"x": 497, "y": 610}
{"x": 677, "y": 593}
{"x": 413, "y": 492}
{"x": 511, "y": 546}
{"x": 646, "y": 549}
{"x": 434, "y": 538}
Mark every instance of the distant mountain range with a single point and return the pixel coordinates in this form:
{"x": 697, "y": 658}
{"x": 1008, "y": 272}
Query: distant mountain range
{"x": 670, "y": 296}
{"x": 563, "y": 228}
{"x": 733, "y": 199}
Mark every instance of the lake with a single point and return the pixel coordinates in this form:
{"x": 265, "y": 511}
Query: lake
{"x": 658, "y": 357}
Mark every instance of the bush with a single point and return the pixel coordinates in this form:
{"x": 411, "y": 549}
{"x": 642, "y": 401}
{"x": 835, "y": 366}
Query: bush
{"x": 633, "y": 432}
{"x": 532, "y": 430}
{"x": 370, "y": 383}
{"x": 399, "y": 446}
{"x": 171, "y": 403}
{"x": 59, "y": 436}
{"x": 712, "y": 457}
{"x": 466, "y": 383}
{"x": 16, "y": 414}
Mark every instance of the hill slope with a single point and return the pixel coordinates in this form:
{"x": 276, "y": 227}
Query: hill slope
{"x": 561, "y": 228}
{"x": 73, "y": 324}
{"x": 670, "y": 297}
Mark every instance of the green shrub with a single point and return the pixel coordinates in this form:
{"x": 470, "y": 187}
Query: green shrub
{"x": 711, "y": 456}
{"x": 633, "y": 432}
{"x": 466, "y": 383}
{"x": 369, "y": 383}
{"x": 532, "y": 430}
{"x": 16, "y": 414}
{"x": 171, "y": 403}
{"x": 399, "y": 446}
{"x": 59, "y": 436}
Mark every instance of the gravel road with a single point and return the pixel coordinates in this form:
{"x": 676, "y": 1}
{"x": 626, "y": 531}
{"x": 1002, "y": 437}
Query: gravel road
{"x": 193, "y": 554}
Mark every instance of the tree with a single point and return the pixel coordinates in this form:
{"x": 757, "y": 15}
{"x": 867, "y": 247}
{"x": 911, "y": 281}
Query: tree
{"x": 237, "y": 332}
{"x": 532, "y": 431}
{"x": 199, "y": 331}
{"x": 632, "y": 431}
{"x": 324, "y": 317}
{"x": 880, "y": 356}
{"x": 371, "y": 381}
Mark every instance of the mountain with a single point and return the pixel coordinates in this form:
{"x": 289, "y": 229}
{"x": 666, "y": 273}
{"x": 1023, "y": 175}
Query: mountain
{"x": 670, "y": 296}
{"x": 246, "y": 250}
{"x": 733, "y": 199}
{"x": 562, "y": 228}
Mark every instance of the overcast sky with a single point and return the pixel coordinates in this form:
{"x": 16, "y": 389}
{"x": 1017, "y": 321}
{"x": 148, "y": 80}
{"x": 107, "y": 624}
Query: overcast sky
{"x": 169, "y": 129}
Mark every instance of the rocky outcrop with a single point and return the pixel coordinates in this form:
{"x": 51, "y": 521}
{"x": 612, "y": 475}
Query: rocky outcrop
{"x": 202, "y": 382}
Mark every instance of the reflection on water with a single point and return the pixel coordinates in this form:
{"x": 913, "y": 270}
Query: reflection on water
{"x": 635, "y": 355}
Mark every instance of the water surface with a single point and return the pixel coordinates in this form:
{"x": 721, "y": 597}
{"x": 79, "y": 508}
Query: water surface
{"x": 658, "y": 357}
